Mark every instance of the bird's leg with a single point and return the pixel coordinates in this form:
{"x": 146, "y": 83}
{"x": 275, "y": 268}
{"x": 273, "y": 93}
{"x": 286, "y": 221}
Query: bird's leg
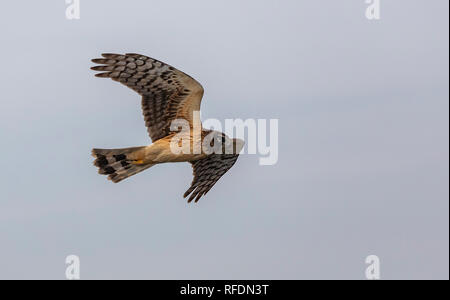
{"x": 138, "y": 157}
{"x": 138, "y": 162}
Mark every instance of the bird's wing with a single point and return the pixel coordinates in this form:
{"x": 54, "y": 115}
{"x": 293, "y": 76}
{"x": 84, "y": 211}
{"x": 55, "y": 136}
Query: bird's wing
{"x": 207, "y": 172}
{"x": 167, "y": 93}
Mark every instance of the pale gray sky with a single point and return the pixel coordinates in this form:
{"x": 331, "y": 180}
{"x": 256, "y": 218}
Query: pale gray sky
{"x": 363, "y": 142}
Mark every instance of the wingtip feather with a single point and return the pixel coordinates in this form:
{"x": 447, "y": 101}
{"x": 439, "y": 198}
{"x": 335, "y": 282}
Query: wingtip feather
{"x": 103, "y": 75}
{"x": 108, "y": 55}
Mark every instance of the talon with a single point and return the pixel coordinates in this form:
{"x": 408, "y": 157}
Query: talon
{"x": 138, "y": 162}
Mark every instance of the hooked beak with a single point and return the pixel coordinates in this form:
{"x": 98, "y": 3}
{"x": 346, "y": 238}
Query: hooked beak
{"x": 239, "y": 145}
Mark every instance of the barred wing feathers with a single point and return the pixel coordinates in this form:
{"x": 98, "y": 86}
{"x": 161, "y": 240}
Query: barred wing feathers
{"x": 167, "y": 93}
{"x": 207, "y": 172}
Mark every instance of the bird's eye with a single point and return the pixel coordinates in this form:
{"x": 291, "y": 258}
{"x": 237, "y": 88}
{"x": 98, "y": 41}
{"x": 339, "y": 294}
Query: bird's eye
{"x": 220, "y": 139}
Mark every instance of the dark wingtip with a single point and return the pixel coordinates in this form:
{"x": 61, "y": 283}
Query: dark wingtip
{"x": 104, "y": 61}
{"x": 108, "y": 55}
{"x": 102, "y": 68}
{"x": 198, "y": 197}
{"x": 103, "y": 75}
{"x": 192, "y": 197}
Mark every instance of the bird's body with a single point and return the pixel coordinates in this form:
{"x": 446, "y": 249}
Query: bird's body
{"x": 160, "y": 152}
{"x": 168, "y": 96}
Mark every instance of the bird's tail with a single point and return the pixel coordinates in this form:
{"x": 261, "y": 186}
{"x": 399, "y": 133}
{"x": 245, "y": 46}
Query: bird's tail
{"x": 118, "y": 164}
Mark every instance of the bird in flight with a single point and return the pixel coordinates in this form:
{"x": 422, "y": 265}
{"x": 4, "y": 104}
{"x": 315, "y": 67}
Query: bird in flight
{"x": 168, "y": 95}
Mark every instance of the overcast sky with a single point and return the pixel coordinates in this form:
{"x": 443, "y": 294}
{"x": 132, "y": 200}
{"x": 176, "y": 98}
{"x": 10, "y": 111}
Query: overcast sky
{"x": 363, "y": 141}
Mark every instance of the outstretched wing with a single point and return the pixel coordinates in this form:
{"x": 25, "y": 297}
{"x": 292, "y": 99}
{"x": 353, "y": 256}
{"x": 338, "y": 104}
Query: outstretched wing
{"x": 167, "y": 93}
{"x": 207, "y": 172}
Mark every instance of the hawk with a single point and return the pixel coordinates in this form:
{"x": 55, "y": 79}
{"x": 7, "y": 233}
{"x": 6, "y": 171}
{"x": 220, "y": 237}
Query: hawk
{"x": 167, "y": 95}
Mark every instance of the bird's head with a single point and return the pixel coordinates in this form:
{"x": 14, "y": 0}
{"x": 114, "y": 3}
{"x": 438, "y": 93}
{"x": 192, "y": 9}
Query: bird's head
{"x": 226, "y": 144}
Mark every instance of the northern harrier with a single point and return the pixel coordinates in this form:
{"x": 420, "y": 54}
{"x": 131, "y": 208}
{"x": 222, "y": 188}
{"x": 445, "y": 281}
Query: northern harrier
{"x": 167, "y": 95}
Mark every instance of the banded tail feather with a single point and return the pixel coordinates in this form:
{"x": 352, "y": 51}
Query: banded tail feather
{"x": 118, "y": 164}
